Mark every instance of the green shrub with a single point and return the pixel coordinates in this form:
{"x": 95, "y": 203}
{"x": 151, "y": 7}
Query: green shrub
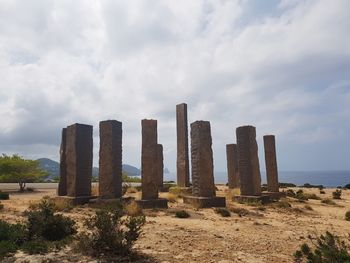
{"x": 1, "y": 206}
{"x": 4, "y": 196}
{"x": 108, "y": 234}
{"x": 7, "y": 248}
{"x": 182, "y": 214}
{"x": 347, "y": 186}
{"x": 35, "y": 247}
{"x": 337, "y": 194}
{"x": 222, "y": 211}
{"x": 347, "y": 216}
{"x": 328, "y": 201}
{"x": 322, "y": 192}
{"x": 15, "y": 233}
{"x": 30, "y": 189}
{"x": 327, "y": 249}
{"x": 43, "y": 223}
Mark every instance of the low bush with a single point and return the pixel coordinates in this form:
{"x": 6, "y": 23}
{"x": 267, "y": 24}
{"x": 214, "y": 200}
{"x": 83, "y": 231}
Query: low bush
{"x": 328, "y": 201}
{"x": 337, "y": 194}
{"x": 35, "y": 247}
{"x": 347, "y": 216}
{"x": 30, "y": 189}
{"x": 110, "y": 234}
{"x": 7, "y": 248}
{"x": 222, "y": 211}
{"x": 327, "y": 248}
{"x": 4, "y": 196}
{"x": 43, "y": 223}
{"x": 347, "y": 186}
{"x": 1, "y": 206}
{"x": 322, "y": 192}
{"x": 182, "y": 214}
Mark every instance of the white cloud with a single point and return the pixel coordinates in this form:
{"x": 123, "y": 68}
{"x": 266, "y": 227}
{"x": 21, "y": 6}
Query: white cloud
{"x": 283, "y": 67}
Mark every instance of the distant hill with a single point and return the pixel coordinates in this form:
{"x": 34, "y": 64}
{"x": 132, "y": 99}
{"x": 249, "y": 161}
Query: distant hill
{"x": 53, "y": 168}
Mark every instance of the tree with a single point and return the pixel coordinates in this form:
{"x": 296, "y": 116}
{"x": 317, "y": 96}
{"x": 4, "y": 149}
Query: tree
{"x": 15, "y": 169}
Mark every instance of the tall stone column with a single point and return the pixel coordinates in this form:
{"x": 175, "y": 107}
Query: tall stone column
{"x": 248, "y": 161}
{"x": 182, "y": 162}
{"x": 149, "y": 171}
{"x": 160, "y": 165}
{"x": 203, "y": 186}
{"x": 79, "y": 160}
{"x": 271, "y": 163}
{"x": 62, "y": 185}
{"x": 110, "y": 162}
{"x": 232, "y": 165}
{"x": 150, "y": 160}
{"x": 202, "y": 160}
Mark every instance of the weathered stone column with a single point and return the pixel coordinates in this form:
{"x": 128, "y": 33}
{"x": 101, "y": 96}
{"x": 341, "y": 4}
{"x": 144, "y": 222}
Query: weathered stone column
{"x": 62, "y": 185}
{"x": 149, "y": 172}
{"x": 202, "y": 160}
{"x": 232, "y": 165}
{"x": 271, "y": 163}
{"x": 110, "y": 162}
{"x": 203, "y": 187}
{"x": 150, "y": 167}
{"x": 160, "y": 164}
{"x": 79, "y": 160}
{"x": 182, "y": 162}
{"x": 248, "y": 161}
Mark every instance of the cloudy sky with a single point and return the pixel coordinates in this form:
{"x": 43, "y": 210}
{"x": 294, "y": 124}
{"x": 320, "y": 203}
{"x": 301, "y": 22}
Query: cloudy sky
{"x": 280, "y": 65}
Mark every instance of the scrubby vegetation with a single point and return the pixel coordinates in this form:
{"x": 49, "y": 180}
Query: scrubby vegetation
{"x": 182, "y": 214}
{"x": 322, "y": 192}
{"x": 285, "y": 185}
{"x": 347, "y": 216}
{"x": 130, "y": 179}
{"x": 4, "y": 196}
{"x": 328, "y": 201}
{"x": 319, "y": 186}
{"x": 37, "y": 235}
{"x": 222, "y": 211}
{"x": 327, "y": 248}
{"x": 109, "y": 233}
{"x": 337, "y": 194}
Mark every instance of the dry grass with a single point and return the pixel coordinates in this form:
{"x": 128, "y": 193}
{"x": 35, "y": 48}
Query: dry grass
{"x": 132, "y": 209}
{"x": 94, "y": 190}
{"x": 172, "y": 198}
{"x": 131, "y": 190}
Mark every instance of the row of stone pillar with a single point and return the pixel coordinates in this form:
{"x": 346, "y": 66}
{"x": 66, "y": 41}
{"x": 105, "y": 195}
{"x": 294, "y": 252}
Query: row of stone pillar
{"x": 76, "y": 155}
{"x": 243, "y": 162}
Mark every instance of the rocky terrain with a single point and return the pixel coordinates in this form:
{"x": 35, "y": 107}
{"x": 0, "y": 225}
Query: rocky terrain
{"x": 253, "y": 232}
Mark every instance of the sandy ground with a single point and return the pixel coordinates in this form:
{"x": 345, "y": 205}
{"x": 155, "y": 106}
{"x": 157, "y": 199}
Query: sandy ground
{"x": 265, "y": 234}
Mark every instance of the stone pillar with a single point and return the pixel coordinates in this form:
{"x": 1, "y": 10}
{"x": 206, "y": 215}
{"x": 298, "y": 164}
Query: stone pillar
{"x": 232, "y": 165}
{"x": 160, "y": 165}
{"x": 182, "y": 162}
{"x": 149, "y": 171}
{"x": 62, "y": 185}
{"x": 203, "y": 187}
{"x": 110, "y": 162}
{"x": 202, "y": 160}
{"x": 79, "y": 160}
{"x": 271, "y": 163}
{"x": 248, "y": 161}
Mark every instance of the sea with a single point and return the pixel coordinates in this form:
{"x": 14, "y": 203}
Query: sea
{"x": 325, "y": 178}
